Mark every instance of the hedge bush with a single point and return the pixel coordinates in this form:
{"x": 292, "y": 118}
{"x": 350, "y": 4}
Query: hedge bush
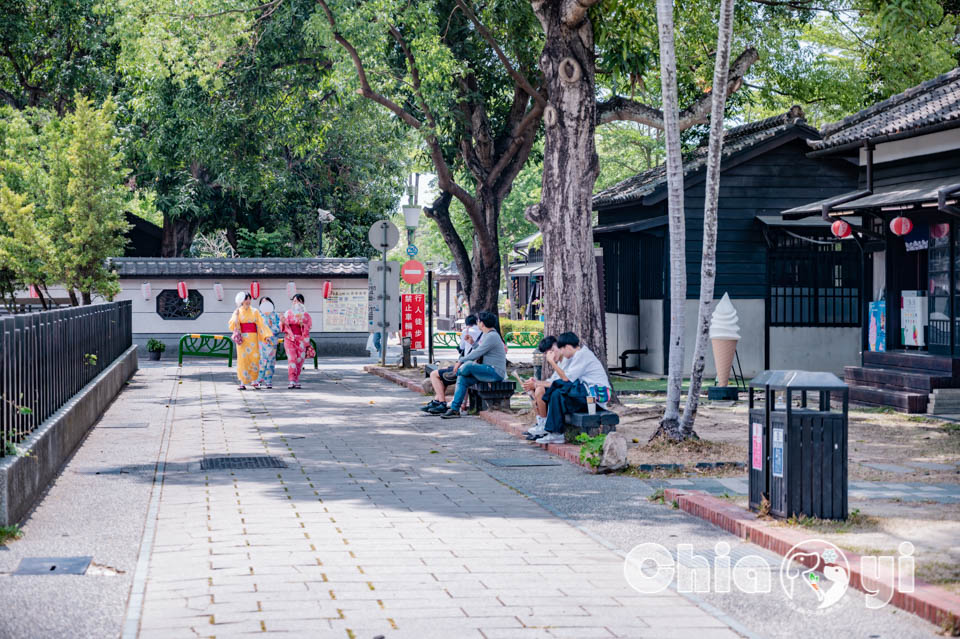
{"x": 520, "y": 326}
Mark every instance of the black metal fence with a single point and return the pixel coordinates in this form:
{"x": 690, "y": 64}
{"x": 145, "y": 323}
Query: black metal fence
{"x": 46, "y": 358}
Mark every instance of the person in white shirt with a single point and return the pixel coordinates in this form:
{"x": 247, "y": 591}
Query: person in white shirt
{"x": 443, "y": 377}
{"x": 538, "y": 387}
{"x": 580, "y": 374}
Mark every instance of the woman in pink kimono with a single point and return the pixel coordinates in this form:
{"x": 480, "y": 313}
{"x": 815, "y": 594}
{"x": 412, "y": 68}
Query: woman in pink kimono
{"x": 296, "y": 327}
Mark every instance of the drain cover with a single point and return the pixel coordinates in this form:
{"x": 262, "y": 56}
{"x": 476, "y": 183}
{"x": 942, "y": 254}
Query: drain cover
{"x": 241, "y": 463}
{"x": 53, "y": 566}
{"x": 127, "y": 425}
{"x": 521, "y": 461}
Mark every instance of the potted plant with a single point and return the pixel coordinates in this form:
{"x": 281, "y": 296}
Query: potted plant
{"x": 155, "y": 347}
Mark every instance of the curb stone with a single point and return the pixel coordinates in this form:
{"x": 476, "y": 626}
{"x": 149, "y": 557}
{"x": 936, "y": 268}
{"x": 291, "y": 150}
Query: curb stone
{"x": 503, "y": 421}
{"x": 927, "y": 601}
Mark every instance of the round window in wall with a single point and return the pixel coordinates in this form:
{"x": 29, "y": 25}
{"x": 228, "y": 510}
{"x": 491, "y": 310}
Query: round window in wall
{"x": 171, "y": 307}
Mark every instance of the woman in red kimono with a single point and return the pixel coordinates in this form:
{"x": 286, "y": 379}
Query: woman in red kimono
{"x": 296, "y": 326}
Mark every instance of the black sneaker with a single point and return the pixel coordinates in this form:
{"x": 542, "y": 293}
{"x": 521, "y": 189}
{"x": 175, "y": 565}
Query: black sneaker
{"x": 426, "y": 407}
{"x": 439, "y": 409}
{"x": 450, "y": 414}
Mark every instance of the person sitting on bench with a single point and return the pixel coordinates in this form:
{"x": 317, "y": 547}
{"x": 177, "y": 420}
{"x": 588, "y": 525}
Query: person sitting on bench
{"x": 538, "y": 387}
{"x": 579, "y": 372}
{"x": 490, "y": 348}
{"x": 443, "y": 377}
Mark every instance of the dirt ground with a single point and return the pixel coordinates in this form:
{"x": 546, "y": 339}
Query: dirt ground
{"x": 875, "y": 436}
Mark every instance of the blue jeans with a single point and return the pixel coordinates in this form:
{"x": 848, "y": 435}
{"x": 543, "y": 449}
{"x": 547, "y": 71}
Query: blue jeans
{"x": 376, "y": 341}
{"x": 468, "y": 375}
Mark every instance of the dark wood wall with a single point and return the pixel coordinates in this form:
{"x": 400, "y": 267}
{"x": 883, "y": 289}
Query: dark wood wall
{"x": 764, "y": 184}
{"x": 924, "y": 167}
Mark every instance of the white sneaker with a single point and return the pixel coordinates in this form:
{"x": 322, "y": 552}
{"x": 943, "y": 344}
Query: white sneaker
{"x": 551, "y": 438}
{"x": 538, "y": 430}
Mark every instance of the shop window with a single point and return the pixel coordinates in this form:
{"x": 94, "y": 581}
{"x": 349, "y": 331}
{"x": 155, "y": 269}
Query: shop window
{"x": 814, "y": 282}
{"x": 171, "y": 307}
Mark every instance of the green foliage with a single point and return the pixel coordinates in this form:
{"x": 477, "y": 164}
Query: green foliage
{"x": 155, "y": 346}
{"x": 261, "y": 243}
{"x": 591, "y": 448}
{"x": 10, "y": 533}
{"x": 523, "y": 326}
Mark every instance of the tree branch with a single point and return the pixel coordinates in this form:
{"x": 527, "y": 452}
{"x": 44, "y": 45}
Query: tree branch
{"x": 414, "y": 75}
{"x": 620, "y": 108}
{"x": 439, "y": 212}
{"x": 526, "y": 128}
{"x": 573, "y": 12}
{"x": 516, "y": 75}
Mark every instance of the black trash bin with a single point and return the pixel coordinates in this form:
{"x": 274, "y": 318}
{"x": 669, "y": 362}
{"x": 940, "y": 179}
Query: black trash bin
{"x": 798, "y": 454}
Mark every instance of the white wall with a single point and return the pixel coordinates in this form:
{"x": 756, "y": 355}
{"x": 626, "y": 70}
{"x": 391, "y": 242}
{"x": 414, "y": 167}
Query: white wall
{"x": 627, "y": 332}
{"x": 621, "y": 336}
{"x": 821, "y": 348}
{"x": 750, "y": 348}
{"x": 216, "y": 313}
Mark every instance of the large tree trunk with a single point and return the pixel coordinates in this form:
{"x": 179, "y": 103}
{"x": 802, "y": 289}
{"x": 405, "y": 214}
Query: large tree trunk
{"x": 670, "y": 424}
{"x": 570, "y": 166}
{"x": 708, "y": 265}
{"x": 178, "y": 234}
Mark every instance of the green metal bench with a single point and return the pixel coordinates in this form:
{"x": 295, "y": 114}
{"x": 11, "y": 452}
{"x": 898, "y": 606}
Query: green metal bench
{"x": 525, "y": 339}
{"x": 446, "y": 339}
{"x": 282, "y": 353}
{"x": 201, "y": 345}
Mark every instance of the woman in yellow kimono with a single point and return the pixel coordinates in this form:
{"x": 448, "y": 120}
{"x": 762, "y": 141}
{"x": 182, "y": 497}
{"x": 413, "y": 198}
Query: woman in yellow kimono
{"x": 248, "y": 322}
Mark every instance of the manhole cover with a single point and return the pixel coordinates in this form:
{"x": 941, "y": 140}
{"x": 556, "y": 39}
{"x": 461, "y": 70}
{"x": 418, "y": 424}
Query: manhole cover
{"x": 241, "y": 463}
{"x": 521, "y": 461}
{"x": 53, "y": 566}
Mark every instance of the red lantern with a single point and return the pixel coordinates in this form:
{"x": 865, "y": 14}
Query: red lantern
{"x": 33, "y": 291}
{"x": 327, "y": 288}
{"x": 901, "y": 225}
{"x": 218, "y": 291}
{"x": 291, "y": 289}
{"x": 255, "y": 290}
{"x": 841, "y": 229}
{"x": 145, "y": 290}
{"x": 182, "y": 290}
{"x": 940, "y": 231}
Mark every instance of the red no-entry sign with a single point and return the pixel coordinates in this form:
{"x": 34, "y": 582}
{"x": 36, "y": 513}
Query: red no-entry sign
{"x": 412, "y": 272}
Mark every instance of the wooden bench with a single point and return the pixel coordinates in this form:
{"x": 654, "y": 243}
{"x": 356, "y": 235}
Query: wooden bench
{"x": 487, "y": 395}
{"x": 604, "y": 421}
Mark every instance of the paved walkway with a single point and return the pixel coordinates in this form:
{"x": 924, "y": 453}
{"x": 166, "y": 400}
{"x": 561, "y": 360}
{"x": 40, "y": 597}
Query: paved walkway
{"x": 382, "y": 522}
{"x": 370, "y": 530}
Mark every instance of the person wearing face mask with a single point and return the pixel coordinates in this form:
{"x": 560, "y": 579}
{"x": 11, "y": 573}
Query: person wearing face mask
{"x": 268, "y": 347}
{"x": 249, "y": 330}
{"x": 296, "y": 325}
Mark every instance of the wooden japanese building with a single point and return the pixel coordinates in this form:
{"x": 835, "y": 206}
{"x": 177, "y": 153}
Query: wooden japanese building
{"x": 796, "y": 288}
{"x": 907, "y": 149}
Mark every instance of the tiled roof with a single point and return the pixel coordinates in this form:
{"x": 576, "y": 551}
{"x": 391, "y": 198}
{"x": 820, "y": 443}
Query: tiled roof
{"x": 735, "y": 140}
{"x": 240, "y": 267}
{"x": 933, "y": 102}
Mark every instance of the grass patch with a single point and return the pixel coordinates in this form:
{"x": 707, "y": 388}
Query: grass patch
{"x": 920, "y": 419}
{"x": 650, "y": 385}
{"x": 951, "y": 427}
{"x": 881, "y": 410}
{"x": 10, "y": 533}
{"x": 855, "y": 521}
{"x": 657, "y": 496}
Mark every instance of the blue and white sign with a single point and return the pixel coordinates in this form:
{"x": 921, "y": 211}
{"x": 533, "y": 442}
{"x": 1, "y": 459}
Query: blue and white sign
{"x": 776, "y": 448}
{"x": 412, "y": 250}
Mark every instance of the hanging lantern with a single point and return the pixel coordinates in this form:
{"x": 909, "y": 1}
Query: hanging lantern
{"x": 218, "y": 291}
{"x": 182, "y": 290}
{"x": 291, "y": 290}
{"x": 255, "y": 290}
{"x": 327, "y": 288}
{"x": 841, "y": 229}
{"x": 901, "y": 225}
{"x": 145, "y": 290}
{"x": 33, "y": 291}
{"x": 940, "y": 231}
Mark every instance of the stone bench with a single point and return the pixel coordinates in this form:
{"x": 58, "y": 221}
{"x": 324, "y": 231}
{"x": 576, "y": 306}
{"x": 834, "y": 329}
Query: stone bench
{"x": 603, "y": 422}
{"x": 491, "y": 395}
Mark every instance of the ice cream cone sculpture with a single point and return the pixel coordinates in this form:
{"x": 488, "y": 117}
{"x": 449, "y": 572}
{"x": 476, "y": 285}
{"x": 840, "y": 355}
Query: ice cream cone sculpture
{"x": 724, "y": 335}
